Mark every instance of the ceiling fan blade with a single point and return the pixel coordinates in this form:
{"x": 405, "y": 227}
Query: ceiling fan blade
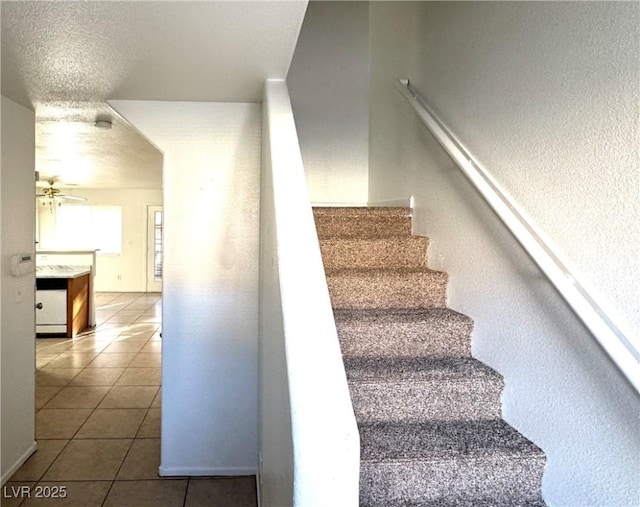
{"x": 53, "y": 178}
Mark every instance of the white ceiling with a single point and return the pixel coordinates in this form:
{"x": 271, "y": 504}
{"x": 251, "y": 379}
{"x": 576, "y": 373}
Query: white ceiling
{"x": 73, "y": 152}
{"x": 65, "y": 59}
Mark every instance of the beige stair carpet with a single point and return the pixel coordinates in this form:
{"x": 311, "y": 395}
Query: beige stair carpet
{"x": 428, "y": 413}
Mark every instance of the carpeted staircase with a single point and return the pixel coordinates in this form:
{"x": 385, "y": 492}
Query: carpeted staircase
{"x": 429, "y": 415}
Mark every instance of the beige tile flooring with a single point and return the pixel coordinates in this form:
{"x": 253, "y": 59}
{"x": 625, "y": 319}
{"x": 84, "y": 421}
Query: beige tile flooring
{"x": 98, "y": 420}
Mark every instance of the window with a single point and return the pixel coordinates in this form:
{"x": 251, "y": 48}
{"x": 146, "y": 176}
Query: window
{"x": 157, "y": 246}
{"x": 90, "y": 227}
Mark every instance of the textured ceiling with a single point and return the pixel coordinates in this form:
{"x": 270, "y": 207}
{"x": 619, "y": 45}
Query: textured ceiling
{"x": 72, "y": 151}
{"x": 65, "y": 59}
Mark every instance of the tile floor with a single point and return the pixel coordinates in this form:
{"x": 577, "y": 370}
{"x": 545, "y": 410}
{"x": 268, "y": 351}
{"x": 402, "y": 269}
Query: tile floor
{"x": 98, "y": 420}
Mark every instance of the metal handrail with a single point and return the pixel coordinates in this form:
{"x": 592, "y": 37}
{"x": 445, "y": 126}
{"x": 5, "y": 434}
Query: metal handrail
{"x": 621, "y": 350}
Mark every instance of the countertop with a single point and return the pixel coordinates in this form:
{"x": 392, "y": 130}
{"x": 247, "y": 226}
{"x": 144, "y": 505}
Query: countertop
{"x": 55, "y": 271}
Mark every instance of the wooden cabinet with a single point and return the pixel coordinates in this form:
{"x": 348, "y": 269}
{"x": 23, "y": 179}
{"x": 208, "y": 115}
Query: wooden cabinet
{"x": 78, "y": 290}
{"x": 55, "y": 318}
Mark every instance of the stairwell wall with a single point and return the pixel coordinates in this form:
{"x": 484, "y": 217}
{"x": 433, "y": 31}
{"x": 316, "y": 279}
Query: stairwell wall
{"x": 545, "y": 96}
{"x": 329, "y": 86}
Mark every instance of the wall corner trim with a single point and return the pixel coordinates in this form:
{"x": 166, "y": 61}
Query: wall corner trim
{"x": 14, "y": 468}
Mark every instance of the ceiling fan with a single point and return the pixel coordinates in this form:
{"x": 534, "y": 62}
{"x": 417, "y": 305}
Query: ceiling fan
{"x": 52, "y": 196}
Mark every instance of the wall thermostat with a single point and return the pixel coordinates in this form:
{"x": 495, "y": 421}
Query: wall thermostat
{"x": 21, "y": 264}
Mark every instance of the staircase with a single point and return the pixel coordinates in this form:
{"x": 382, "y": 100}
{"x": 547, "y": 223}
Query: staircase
{"x": 429, "y": 415}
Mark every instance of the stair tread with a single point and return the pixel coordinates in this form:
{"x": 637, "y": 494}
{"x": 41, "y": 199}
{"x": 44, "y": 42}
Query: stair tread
{"x": 383, "y": 272}
{"x": 456, "y": 501}
{"x": 399, "y": 246}
{"x": 390, "y": 288}
{"x": 362, "y": 211}
{"x": 433, "y": 440}
{"x": 400, "y": 315}
{"x": 344, "y": 253}
{"x": 363, "y": 222}
{"x": 362, "y": 369}
{"x": 434, "y": 332}
{"x": 384, "y": 239}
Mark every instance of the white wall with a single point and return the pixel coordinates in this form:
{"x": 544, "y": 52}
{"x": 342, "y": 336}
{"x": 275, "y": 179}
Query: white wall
{"x": 546, "y": 96}
{"x": 18, "y": 297}
{"x": 329, "y": 84}
{"x": 543, "y": 95}
{"x": 211, "y": 180}
{"x": 276, "y": 471}
{"x": 126, "y": 272}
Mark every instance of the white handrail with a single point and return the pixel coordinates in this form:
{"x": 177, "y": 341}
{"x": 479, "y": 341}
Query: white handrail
{"x": 620, "y": 349}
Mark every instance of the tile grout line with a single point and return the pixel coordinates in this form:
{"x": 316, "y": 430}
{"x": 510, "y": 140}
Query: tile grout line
{"x": 93, "y": 410}
{"x": 130, "y": 444}
{"x": 79, "y": 427}
{"x": 186, "y": 492}
{"x": 65, "y": 347}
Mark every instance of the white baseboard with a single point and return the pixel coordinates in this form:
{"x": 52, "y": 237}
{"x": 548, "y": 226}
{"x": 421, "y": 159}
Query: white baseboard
{"x": 14, "y": 468}
{"x": 403, "y": 202}
{"x": 205, "y": 471}
{"x": 339, "y": 204}
{"x": 259, "y": 479}
{"x": 258, "y": 490}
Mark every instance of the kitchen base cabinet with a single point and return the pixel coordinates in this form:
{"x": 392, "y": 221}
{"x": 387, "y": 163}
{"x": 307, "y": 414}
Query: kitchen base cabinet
{"x": 65, "y": 305}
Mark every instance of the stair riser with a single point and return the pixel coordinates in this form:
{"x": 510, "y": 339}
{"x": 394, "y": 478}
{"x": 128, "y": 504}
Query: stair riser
{"x": 330, "y": 226}
{"x": 402, "y": 340}
{"x": 464, "y": 481}
{"x": 432, "y": 400}
{"x": 390, "y": 253}
{"x": 409, "y": 290}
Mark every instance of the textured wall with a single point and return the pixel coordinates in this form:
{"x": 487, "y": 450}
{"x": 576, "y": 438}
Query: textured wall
{"x": 545, "y": 95}
{"x": 211, "y": 191}
{"x": 329, "y": 83}
{"x": 18, "y": 314}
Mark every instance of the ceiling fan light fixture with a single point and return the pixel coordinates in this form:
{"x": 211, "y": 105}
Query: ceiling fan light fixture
{"x": 52, "y": 197}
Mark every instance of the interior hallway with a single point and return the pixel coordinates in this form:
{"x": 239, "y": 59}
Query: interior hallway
{"x": 98, "y": 403}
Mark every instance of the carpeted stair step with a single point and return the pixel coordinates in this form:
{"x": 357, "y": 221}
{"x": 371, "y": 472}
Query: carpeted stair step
{"x": 395, "y": 253}
{"x": 415, "y": 389}
{"x": 434, "y": 332}
{"x": 429, "y": 415}
{"x": 387, "y": 288}
{"x": 463, "y": 463}
{"x": 353, "y": 222}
